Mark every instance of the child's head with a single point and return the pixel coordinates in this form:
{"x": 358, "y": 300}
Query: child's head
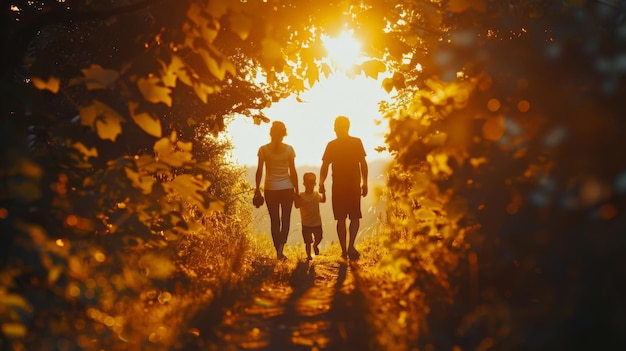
{"x": 309, "y": 180}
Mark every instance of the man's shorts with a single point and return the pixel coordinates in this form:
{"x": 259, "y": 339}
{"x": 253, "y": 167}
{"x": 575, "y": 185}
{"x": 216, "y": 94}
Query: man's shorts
{"x": 308, "y": 232}
{"x": 346, "y": 202}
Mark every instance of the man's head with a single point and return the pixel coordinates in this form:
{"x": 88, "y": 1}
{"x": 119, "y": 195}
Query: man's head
{"x": 342, "y": 125}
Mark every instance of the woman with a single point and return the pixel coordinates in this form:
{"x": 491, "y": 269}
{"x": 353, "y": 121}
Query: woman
{"x": 281, "y": 183}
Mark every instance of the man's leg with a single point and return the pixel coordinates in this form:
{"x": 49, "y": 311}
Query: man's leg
{"x": 354, "y": 229}
{"x": 341, "y": 233}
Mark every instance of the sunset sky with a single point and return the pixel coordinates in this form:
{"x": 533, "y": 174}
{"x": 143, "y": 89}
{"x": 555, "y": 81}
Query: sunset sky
{"x": 310, "y": 123}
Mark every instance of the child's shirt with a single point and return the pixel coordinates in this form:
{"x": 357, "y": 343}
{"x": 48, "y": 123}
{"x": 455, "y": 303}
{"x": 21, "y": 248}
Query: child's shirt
{"x": 310, "y": 209}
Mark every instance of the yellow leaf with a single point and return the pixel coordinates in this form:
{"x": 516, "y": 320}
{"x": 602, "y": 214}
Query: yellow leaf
{"x": 326, "y": 69}
{"x": 54, "y": 273}
{"x": 209, "y": 29}
{"x": 157, "y": 266}
{"x": 213, "y": 66}
{"x": 88, "y": 115}
{"x": 169, "y": 75}
{"x": 373, "y": 67}
{"x": 102, "y": 119}
{"x": 52, "y": 84}
{"x": 240, "y": 24}
{"x": 217, "y": 8}
{"x": 312, "y": 75}
{"x": 178, "y": 68}
{"x": 216, "y": 206}
{"x": 193, "y": 189}
{"x": 86, "y": 152}
{"x": 145, "y": 121}
{"x": 143, "y": 183}
{"x": 228, "y": 66}
{"x": 387, "y": 84}
{"x": 458, "y": 6}
{"x": 14, "y": 301}
{"x": 203, "y": 91}
{"x": 97, "y": 77}
{"x": 14, "y": 330}
{"x": 154, "y": 92}
{"x": 166, "y": 153}
{"x": 270, "y": 49}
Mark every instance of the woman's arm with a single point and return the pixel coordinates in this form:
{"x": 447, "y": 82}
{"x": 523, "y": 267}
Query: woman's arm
{"x": 293, "y": 175}
{"x": 259, "y": 174}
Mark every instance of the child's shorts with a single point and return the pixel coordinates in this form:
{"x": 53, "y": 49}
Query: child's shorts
{"x": 308, "y": 232}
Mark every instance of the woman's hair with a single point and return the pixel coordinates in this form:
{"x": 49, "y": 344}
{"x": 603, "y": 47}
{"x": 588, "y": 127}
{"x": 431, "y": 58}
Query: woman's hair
{"x": 278, "y": 129}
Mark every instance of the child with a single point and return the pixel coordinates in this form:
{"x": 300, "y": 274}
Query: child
{"x": 308, "y": 203}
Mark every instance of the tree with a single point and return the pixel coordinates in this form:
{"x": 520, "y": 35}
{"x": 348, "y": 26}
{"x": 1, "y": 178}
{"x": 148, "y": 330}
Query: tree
{"x": 507, "y": 175}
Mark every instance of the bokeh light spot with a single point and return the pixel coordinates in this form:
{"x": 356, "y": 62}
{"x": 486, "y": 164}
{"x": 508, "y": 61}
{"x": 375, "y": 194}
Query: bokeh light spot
{"x": 523, "y": 106}
{"x": 74, "y": 291}
{"x": 607, "y": 211}
{"x": 493, "y": 129}
{"x": 71, "y": 220}
{"x": 493, "y": 104}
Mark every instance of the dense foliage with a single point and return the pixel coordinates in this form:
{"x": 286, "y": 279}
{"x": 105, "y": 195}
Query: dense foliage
{"x": 508, "y": 184}
{"x": 506, "y": 195}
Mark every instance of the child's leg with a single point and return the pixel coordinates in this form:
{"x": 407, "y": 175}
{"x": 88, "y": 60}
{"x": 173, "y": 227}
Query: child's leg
{"x": 307, "y": 235}
{"x": 318, "y": 240}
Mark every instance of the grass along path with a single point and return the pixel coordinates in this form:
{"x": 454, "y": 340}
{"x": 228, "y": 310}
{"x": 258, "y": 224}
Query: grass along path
{"x": 300, "y": 305}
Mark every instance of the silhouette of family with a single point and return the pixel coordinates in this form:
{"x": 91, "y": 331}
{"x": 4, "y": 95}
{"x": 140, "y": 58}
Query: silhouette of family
{"x": 345, "y": 156}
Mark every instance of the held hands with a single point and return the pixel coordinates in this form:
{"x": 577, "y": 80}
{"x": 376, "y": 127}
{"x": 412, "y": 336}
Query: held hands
{"x": 322, "y": 189}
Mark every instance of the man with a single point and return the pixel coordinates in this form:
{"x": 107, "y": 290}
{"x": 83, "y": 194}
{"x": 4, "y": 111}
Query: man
{"x": 349, "y": 183}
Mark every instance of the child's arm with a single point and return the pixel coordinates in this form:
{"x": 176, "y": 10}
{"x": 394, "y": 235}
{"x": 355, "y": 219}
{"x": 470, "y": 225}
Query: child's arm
{"x": 323, "y": 197}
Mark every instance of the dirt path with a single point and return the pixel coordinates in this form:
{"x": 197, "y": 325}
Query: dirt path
{"x": 304, "y": 305}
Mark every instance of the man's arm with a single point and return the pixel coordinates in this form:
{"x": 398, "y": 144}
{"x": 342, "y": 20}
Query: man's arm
{"x": 364, "y": 172}
{"x": 323, "y": 197}
{"x": 323, "y": 175}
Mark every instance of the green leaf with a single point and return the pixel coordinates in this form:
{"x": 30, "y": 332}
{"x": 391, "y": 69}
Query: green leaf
{"x": 145, "y": 121}
{"x": 153, "y": 91}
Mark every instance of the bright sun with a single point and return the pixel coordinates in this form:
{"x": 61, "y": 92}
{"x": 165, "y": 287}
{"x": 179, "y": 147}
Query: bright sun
{"x": 309, "y": 118}
{"x": 344, "y": 50}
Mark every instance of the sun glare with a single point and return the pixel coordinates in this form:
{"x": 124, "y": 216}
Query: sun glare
{"x": 344, "y": 50}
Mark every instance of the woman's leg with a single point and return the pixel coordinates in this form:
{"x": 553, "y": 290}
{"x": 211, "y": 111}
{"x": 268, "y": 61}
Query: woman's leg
{"x": 286, "y": 204}
{"x": 272, "y": 200}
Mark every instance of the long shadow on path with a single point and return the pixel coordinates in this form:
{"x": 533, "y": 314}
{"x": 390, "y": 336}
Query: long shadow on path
{"x": 316, "y": 306}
